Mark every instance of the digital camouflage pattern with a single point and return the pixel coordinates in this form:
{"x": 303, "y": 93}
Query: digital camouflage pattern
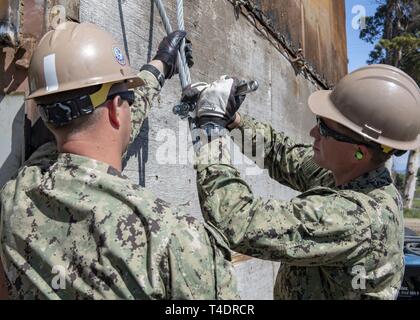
{"x": 110, "y": 237}
{"x": 333, "y": 242}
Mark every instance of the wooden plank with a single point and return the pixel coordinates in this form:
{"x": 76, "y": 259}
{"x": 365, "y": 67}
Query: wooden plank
{"x": 317, "y": 27}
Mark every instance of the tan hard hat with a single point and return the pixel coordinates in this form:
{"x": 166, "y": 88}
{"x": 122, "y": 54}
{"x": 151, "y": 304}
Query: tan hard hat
{"x": 75, "y": 56}
{"x": 379, "y": 102}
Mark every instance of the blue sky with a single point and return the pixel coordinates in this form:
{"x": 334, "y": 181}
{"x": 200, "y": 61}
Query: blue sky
{"x": 358, "y": 50}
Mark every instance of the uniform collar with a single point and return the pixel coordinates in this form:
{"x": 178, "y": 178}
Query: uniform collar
{"x": 373, "y": 179}
{"x": 74, "y": 162}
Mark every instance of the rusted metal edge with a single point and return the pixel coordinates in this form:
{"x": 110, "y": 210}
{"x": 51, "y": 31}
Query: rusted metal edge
{"x": 9, "y": 23}
{"x": 264, "y": 25}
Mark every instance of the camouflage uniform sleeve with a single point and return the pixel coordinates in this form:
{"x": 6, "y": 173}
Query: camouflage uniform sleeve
{"x": 3, "y": 285}
{"x": 287, "y": 162}
{"x": 199, "y": 264}
{"x": 319, "y": 227}
{"x": 144, "y": 97}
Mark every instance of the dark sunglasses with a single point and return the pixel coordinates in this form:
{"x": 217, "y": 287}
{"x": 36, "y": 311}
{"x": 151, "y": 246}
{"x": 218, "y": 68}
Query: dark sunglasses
{"x": 326, "y": 131}
{"x": 128, "y": 96}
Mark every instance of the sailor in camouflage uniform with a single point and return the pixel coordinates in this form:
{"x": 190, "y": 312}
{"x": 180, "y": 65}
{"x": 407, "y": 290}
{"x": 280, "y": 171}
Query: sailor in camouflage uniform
{"x": 72, "y": 226}
{"x": 342, "y": 237}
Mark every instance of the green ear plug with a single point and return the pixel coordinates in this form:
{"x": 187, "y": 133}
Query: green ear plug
{"x": 359, "y": 155}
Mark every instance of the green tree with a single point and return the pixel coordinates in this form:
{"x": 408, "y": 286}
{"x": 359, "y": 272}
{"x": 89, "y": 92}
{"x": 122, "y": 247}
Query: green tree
{"x": 395, "y": 31}
{"x": 399, "y": 182}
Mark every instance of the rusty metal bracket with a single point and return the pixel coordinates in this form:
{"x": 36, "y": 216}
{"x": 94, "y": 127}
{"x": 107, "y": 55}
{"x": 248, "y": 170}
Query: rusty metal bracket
{"x": 28, "y": 45}
{"x": 8, "y": 35}
{"x": 237, "y": 5}
{"x": 299, "y": 61}
{"x": 9, "y": 23}
{"x": 11, "y": 33}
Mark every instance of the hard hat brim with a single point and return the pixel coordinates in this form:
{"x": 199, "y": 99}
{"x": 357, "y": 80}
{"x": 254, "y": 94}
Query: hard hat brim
{"x": 320, "y": 104}
{"x": 132, "y": 82}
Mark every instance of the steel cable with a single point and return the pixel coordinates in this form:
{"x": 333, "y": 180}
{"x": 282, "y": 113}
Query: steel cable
{"x": 184, "y": 74}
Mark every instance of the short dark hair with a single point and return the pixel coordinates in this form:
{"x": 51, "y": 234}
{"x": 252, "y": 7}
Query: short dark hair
{"x": 76, "y": 125}
{"x": 379, "y": 157}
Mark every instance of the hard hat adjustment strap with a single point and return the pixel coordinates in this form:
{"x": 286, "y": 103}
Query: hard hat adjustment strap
{"x": 100, "y": 96}
{"x": 386, "y": 149}
{"x": 61, "y": 113}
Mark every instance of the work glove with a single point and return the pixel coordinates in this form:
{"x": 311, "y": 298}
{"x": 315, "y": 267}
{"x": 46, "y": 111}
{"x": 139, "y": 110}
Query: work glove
{"x": 216, "y": 102}
{"x": 168, "y": 52}
{"x": 191, "y": 94}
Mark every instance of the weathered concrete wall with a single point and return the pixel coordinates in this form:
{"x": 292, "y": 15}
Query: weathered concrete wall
{"x": 12, "y": 138}
{"x": 222, "y": 45}
{"x": 26, "y": 20}
{"x": 20, "y": 128}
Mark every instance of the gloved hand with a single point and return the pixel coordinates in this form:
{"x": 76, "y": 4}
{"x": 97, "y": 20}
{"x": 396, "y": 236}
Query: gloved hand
{"x": 216, "y": 103}
{"x": 168, "y": 52}
{"x": 191, "y": 94}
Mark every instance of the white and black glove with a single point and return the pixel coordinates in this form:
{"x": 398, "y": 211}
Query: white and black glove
{"x": 217, "y": 103}
{"x": 191, "y": 94}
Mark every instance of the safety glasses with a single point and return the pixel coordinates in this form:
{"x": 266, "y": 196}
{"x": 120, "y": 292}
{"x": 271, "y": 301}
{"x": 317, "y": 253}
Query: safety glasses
{"x": 128, "y": 96}
{"x": 326, "y": 131}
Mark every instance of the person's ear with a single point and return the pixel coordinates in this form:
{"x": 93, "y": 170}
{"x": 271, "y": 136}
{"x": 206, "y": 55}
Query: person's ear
{"x": 113, "y": 111}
